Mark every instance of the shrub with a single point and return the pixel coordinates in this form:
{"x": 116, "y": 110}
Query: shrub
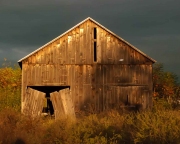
{"x": 157, "y": 126}
{"x": 10, "y": 88}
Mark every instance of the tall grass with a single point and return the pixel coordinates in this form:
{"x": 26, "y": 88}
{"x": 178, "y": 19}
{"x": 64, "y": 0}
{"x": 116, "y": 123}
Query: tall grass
{"x": 155, "y": 126}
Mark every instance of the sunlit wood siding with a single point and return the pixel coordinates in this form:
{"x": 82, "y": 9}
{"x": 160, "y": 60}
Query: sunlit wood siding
{"x": 77, "y": 47}
{"x": 101, "y": 83}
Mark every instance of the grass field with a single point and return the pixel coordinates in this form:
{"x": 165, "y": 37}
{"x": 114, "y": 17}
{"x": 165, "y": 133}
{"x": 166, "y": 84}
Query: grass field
{"x": 110, "y": 127}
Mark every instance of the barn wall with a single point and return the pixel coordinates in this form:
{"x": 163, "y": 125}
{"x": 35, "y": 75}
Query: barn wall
{"x": 69, "y": 61}
{"x": 106, "y": 74}
{"x": 77, "y": 47}
{"x": 89, "y": 83}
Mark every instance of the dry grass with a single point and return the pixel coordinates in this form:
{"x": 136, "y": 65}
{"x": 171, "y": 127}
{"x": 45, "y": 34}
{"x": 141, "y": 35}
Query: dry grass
{"x": 109, "y": 127}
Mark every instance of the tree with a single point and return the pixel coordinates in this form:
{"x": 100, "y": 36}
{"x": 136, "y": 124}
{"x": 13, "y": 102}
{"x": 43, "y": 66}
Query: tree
{"x": 165, "y": 84}
{"x": 10, "y": 87}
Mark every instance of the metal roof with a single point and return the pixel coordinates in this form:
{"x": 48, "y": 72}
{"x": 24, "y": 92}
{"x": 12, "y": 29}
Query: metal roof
{"x": 79, "y": 25}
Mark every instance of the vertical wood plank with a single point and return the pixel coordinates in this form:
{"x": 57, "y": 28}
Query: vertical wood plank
{"x": 33, "y": 103}
{"x": 67, "y": 103}
{"x": 59, "y": 112}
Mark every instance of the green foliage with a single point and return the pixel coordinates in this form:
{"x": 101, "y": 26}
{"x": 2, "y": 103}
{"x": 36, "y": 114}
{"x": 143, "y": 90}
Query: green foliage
{"x": 157, "y": 127}
{"x": 162, "y": 104}
{"x": 10, "y": 87}
{"x": 165, "y": 84}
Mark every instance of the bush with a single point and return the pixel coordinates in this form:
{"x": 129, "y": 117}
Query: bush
{"x": 10, "y": 88}
{"x": 157, "y": 126}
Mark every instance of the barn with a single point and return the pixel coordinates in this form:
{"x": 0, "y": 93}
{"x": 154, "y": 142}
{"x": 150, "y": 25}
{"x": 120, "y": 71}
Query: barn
{"x": 87, "y": 68}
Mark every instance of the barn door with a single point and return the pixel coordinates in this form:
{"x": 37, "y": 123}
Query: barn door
{"x": 62, "y": 103}
{"x": 33, "y": 103}
{"x": 57, "y": 104}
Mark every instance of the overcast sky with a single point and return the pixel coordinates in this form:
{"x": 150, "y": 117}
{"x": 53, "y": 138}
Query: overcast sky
{"x": 153, "y": 26}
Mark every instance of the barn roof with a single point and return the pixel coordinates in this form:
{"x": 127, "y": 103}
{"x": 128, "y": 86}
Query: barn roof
{"x": 20, "y": 61}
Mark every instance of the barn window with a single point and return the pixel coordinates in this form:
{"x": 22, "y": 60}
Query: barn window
{"x": 95, "y": 52}
{"x": 95, "y": 33}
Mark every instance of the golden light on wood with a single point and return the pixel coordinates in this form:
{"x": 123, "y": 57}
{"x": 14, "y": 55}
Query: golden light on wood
{"x": 69, "y": 39}
{"x": 81, "y": 30}
{"x": 108, "y": 39}
{"x": 58, "y": 45}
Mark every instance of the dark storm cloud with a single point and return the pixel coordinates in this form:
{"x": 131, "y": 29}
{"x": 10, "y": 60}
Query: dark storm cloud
{"x": 152, "y": 26}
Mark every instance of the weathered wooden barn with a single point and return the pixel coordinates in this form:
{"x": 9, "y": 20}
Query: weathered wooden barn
{"x": 86, "y": 68}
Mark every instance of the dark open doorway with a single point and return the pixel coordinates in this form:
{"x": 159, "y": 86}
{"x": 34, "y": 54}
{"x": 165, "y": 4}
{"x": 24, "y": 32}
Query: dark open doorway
{"x": 48, "y": 108}
{"x": 48, "y": 89}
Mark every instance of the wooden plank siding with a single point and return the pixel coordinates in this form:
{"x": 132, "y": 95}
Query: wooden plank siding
{"x": 87, "y": 74}
{"x": 119, "y": 71}
{"x": 87, "y": 82}
{"x": 76, "y": 47}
